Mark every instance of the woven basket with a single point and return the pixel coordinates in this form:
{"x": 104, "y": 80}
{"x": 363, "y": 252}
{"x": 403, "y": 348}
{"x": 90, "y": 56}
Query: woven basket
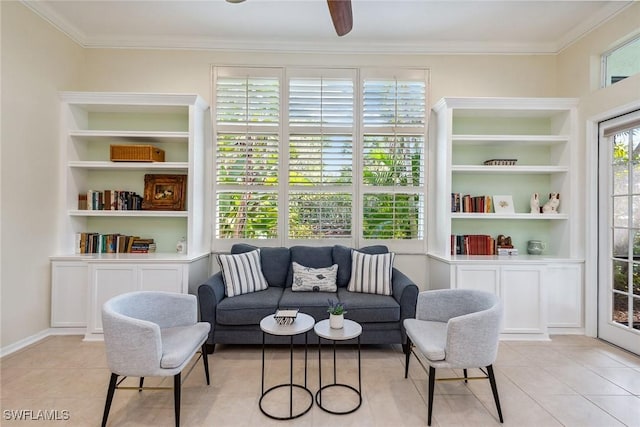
{"x": 136, "y": 153}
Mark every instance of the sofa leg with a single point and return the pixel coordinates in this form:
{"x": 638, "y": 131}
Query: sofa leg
{"x": 210, "y": 348}
{"x": 407, "y": 356}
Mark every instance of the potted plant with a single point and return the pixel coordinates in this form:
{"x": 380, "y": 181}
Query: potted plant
{"x": 336, "y": 312}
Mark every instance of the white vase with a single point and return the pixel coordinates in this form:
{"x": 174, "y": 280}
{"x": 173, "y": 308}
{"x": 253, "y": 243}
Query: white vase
{"x": 336, "y": 321}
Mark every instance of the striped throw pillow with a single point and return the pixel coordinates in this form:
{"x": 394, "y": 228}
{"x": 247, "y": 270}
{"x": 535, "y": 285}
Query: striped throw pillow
{"x": 242, "y": 273}
{"x": 371, "y": 274}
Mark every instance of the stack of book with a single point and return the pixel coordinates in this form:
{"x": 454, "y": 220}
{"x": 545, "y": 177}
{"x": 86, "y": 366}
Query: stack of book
{"x": 506, "y": 250}
{"x": 285, "y": 317}
{"x": 473, "y": 244}
{"x": 468, "y": 203}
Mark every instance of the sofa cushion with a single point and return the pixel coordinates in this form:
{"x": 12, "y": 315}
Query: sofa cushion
{"x": 275, "y": 262}
{"x": 314, "y": 279}
{"x": 248, "y": 309}
{"x": 310, "y": 256}
{"x": 371, "y": 273}
{"x": 242, "y": 273}
{"x": 312, "y": 303}
{"x": 342, "y": 257}
{"x": 365, "y": 308}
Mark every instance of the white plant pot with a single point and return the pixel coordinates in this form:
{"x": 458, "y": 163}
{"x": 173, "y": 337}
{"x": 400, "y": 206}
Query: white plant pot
{"x": 336, "y": 321}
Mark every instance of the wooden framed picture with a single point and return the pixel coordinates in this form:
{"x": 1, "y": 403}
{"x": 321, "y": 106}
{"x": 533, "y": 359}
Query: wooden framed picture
{"x": 164, "y": 192}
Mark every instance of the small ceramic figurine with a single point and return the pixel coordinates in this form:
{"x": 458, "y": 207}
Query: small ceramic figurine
{"x": 552, "y": 204}
{"x": 535, "y": 203}
{"x": 181, "y": 246}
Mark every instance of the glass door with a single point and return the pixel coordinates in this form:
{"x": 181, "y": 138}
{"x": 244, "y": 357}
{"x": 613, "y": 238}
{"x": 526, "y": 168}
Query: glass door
{"x": 619, "y": 232}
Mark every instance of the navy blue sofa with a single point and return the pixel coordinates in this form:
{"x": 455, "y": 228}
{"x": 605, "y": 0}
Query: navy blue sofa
{"x": 236, "y": 320}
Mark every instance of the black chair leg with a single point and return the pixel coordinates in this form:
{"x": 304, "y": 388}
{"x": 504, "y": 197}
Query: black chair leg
{"x": 141, "y": 382}
{"x": 177, "y": 385}
{"x": 432, "y": 383}
{"x": 110, "y": 392}
{"x": 407, "y": 357}
{"x": 206, "y": 362}
{"x": 494, "y": 389}
{"x": 465, "y": 375}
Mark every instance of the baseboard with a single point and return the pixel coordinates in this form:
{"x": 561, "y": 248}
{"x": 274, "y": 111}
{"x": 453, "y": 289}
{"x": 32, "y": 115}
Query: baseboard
{"x": 566, "y": 331}
{"x": 19, "y": 345}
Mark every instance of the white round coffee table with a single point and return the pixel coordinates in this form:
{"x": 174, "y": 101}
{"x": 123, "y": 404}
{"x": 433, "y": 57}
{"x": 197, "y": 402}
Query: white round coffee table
{"x": 350, "y": 331}
{"x": 303, "y": 324}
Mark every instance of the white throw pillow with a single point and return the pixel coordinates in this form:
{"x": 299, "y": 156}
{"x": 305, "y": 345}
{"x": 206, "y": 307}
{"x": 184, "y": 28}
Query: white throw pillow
{"x": 314, "y": 279}
{"x": 242, "y": 273}
{"x": 371, "y": 274}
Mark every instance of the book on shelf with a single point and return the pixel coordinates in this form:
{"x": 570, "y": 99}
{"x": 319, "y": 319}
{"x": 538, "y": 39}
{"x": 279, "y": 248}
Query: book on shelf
{"x": 109, "y": 200}
{"x": 472, "y": 204}
{"x": 472, "y": 244}
{"x": 97, "y": 243}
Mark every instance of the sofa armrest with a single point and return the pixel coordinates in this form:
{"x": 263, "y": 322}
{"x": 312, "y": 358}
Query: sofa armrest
{"x": 406, "y": 293}
{"x": 210, "y": 293}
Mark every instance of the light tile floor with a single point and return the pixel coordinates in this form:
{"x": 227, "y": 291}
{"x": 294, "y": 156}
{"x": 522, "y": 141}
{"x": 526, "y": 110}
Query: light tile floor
{"x": 570, "y": 381}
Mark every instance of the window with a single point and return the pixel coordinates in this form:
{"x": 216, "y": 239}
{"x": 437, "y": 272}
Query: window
{"x": 320, "y": 155}
{"x": 321, "y": 134}
{"x": 393, "y": 129}
{"x": 621, "y": 62}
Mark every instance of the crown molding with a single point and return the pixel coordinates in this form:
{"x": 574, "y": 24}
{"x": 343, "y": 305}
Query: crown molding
{"x": 339, "y": 46}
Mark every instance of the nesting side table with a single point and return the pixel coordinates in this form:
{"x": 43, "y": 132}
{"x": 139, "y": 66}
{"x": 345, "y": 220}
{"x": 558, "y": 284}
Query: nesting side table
{"x": 303, "y": 324}
{"x": 350, "y": 330}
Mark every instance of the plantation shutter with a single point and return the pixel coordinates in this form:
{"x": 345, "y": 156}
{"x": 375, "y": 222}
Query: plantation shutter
{"x": 247, "y": 152}
{"x": 393, "y": 156}
{"x": 321, "y": 129}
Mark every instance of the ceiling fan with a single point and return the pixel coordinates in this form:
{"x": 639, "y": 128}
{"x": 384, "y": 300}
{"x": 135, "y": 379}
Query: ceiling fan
{"x": 340, "y": 11}
{"x": 341, "y": 15}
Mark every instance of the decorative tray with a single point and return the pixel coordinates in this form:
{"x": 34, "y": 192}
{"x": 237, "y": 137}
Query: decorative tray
{"x": 500, "y": 162}
{"x": 285, "y": 317}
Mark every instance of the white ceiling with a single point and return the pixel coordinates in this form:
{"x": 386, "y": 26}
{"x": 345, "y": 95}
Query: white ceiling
{"x": 379, "y": 26}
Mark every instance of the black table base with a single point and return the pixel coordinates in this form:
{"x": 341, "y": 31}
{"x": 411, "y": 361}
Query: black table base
{"x": 335, "y": 383}
{"x": 290, "y": 384}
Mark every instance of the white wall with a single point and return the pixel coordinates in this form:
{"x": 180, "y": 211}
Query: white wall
{"x": 579, "y": 75}
{"x": 37, "y": 61}
{"x": 451, "y": 75}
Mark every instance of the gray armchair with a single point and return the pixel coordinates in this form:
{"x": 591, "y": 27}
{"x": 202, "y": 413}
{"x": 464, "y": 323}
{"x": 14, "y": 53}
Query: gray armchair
{"x": 149, "y": 334}
{"x": 456, "y": 328}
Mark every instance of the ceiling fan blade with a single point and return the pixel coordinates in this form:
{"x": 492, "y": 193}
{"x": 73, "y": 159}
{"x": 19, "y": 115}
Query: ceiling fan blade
{"x": 341, "y": 15}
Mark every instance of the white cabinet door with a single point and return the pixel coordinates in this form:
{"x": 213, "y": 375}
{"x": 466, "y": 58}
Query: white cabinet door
{"x": 522, "y": 292}
{"x": 107, "y": 281}
{"x": 166, "y": 277}
{"x": 564, "y": 295}
{"x": 482, "y": 278}
{"x": 69, "y": 294}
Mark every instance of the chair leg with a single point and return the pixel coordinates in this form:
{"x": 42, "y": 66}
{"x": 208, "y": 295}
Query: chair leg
{"x": 465, "y": 375}
{"x": 432, "y": 383}
{"x": 494, "y": 389}
{"x": 141, "y": 382}
{"x": 110, "y": 392}
{"x": 177, "y": 385}
{"x": 407, "y": 357}
{"x": 205, "y": 360}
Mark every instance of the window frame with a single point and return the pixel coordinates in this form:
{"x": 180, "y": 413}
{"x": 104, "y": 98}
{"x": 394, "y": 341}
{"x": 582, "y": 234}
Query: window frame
{"x": 407, "y": 246}
{"x": 604, "y": 60}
